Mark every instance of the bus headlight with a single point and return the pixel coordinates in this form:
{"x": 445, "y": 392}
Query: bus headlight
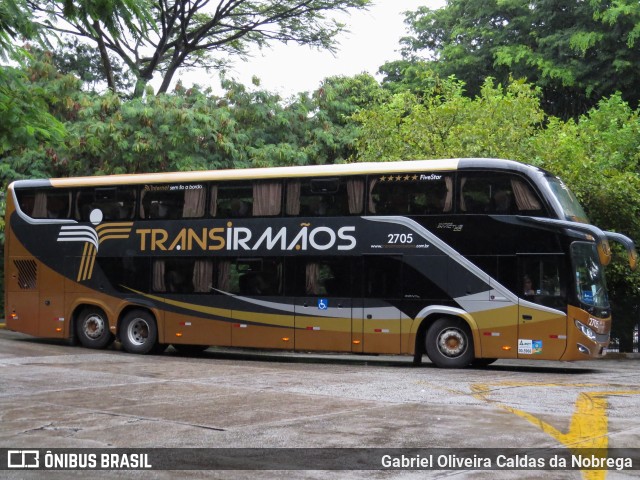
{"x": 587, "y": 332}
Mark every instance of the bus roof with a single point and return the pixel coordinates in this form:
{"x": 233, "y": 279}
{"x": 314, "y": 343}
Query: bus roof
{"x": 368, "y": 168}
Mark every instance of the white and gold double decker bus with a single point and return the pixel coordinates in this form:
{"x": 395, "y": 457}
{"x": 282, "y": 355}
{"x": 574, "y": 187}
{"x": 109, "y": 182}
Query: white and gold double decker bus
{"x": 464, "y": 260}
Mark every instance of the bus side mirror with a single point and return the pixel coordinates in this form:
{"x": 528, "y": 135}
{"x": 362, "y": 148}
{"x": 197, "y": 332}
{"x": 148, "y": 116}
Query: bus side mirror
{"x": 604, "y": 252}
{"x": 628, "y": 244}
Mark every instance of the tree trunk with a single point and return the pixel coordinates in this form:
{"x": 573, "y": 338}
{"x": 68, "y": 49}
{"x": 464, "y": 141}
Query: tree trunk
{"x": 106, "y": 62}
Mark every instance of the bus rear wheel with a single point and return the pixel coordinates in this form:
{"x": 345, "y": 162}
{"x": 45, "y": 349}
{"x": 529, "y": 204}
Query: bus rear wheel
{"x": 92, "y": 328}
{"x": 449, "y": 343}
{"x": 138, "y": 332}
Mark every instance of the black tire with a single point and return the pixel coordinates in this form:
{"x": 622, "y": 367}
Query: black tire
{"x": 449, "y": 343}
{"x": 189, "y": 349}
{"x": 159, "y": 348}
{"x": 138, "y": 332}
{"x": 482, "y": 362}
{"x": 92, "y": 328}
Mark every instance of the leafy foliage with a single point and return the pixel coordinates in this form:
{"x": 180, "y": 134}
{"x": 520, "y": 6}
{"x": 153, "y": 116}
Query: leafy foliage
{"x": 446, "y": 123}
{"x": 570, "y": 49}
{"x": 79, "y": 59}
{"x": 15, "y": 22}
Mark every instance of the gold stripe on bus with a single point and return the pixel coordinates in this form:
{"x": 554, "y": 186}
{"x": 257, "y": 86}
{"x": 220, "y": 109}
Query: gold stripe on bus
{"x": 109, "y": 231}
{"x": 92, "y": 262}
{"x": 86, "y": 263}
{"x": 109, "y": 226}
{"x": 364, "y": 168}
{"x": 82, "y": 262}
{"x": 221, "y": 312}
{"x": 267, "y": 319}
{"x": 111, "y": 237}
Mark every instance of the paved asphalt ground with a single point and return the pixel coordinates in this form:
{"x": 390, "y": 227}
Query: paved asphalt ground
{"x": 53, "y": 395}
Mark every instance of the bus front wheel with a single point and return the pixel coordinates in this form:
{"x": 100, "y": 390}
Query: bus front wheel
{"x": 92, "y": 328}
{"x": 449, "y": 343}
{"x": 138, "y": 332}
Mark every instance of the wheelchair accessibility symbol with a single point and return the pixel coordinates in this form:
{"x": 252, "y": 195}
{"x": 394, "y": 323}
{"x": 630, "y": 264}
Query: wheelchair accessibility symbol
{"x": 323, "y": 304}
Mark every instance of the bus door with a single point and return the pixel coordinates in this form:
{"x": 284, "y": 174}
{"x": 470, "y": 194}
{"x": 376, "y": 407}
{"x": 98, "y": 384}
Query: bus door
{"x": 542, "y": 325}
{"x": 381, "y": 296}
{"x": 323, "y": 302}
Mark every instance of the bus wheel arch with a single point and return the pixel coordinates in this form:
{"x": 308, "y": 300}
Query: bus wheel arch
{"x": 449, "y": 342}
{"x": 138, "y": 331}
{"x": 91, "y": 327}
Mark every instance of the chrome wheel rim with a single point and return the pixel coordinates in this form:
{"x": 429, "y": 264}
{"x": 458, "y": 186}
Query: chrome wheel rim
{"x": 452, "y": 342}
{"x": 138, "y": 331}
{"x": 93, "y": 326}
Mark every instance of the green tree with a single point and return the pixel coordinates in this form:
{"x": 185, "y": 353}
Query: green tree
{"x": 570, "y": 49}
{"x": 79, "y": 59}
{"x": 597, "y": 155}
{"x": 15, "y": 22}
{"x": 445, "y": 123}
{"x": 192, "y": 33}
{"x": 192, "y": 129}
{"x": 334, "y": 133}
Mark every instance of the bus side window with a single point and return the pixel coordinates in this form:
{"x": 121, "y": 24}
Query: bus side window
{"x": 126, "y": 272}
{"x": 256, "y": 276}
{"x": 45, "y": 204}
{"x": 410, "y": 194}
{"x": 115, "y": 203}
{"x": 497, "y": 193}
{"x": 542, "y": 279}
{"x": 233, "y": 200}
{"x": 173, "y": 201}
{"x": 527, "y": 202}
{"x": 382, "y": 277}
{"x": 267, "y": 198}
{"x": 183, "y": 275}
{"x": 325, "y": 197}
{"x": 315, "y": 277}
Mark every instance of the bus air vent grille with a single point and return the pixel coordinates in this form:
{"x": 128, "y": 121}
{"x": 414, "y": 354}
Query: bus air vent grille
{"x": 27, "y": 273}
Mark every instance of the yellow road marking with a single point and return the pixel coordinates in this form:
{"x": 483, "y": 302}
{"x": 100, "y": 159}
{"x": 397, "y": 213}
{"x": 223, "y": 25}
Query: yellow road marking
{"x": 589, "y": 424}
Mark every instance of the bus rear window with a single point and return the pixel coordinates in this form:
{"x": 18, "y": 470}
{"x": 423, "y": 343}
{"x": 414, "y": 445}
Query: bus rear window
{"x": 45, "y": 203}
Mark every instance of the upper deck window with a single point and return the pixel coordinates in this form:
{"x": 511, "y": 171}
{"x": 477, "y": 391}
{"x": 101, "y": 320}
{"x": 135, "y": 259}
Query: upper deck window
{"x": 45, "y": 203}
{"x": 173, "y": 201}
{"x": 496, "y": 193}
{"x": 411, "y": 194}
{"x": 115, "y": 203}
{"x": 260, "y": 198}
{"x": 325, "y": 197}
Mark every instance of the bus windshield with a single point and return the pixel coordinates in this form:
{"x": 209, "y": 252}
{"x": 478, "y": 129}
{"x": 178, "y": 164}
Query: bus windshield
{"x": 590, "y": 281}
{"x": 571, "y": 207}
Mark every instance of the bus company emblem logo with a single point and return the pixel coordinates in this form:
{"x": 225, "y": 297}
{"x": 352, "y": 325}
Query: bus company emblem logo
{"x": 92, "y": 237}
{"x": 23, "y": 459}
